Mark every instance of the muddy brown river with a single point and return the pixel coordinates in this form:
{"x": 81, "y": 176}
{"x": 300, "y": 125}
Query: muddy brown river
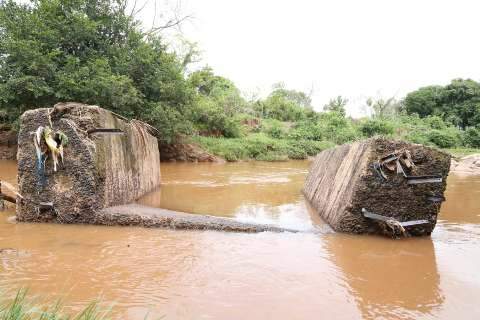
{"x": 214, "y": 275}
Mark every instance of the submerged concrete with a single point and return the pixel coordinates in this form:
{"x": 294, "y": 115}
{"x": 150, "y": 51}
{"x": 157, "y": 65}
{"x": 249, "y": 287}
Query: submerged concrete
{"x": 343, "y": 185}
{"x": 138, "y": 215}
{"x": 99, "y": 169}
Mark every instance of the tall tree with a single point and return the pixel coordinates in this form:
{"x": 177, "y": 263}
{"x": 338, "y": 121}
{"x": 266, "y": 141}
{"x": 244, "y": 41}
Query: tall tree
{"x": 90, "y": 51}
{"x": 337, "y": 104}
{"x": 457, "y": 102}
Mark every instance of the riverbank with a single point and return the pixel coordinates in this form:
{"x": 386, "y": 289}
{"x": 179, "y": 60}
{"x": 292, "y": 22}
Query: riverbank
{"x": 8, "y": 143}
{"x": 22, "y": 307}
{"x": 465, "y": 166}
{"x": 259, "y": 146}
{"x": 263, "y": 148}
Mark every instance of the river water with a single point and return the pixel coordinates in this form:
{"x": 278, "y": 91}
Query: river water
{"x": 214, "y": 275}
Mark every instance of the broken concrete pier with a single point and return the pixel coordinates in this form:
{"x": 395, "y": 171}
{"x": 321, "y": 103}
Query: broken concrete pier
{"x": 83, "y": 164}
{"x": 75, "y": 159}
{"x": 379, "y": 186}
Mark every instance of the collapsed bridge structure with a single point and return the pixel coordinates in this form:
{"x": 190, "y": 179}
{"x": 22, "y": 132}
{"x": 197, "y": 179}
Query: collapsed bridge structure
{"x": 379, "y": 186}
{"x": 84, "y": 164}
{"x": 107, "y": 161}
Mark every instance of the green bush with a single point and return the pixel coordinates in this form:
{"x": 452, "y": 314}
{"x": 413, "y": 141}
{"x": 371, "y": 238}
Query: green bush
{"x": 435, "y": 122}
{"x": 301, "y": 149}
{"x": 274, "y": 128}
{"x": 372, "y": 127}
{"x": 22, "y": 307}
{"x": 272, "y": 156}
{"x": 210, "y": 117}
{"x": 418, "y": 136}
{"x": 472, "y": 137}
{"x": 336, "y": 128}
{"x": 306, "y": 130}
{"x": 261, "y": 147}
{"x": 444, "y": 138}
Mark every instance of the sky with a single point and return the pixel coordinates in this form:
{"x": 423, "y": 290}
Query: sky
{"x": 357, "y": 49}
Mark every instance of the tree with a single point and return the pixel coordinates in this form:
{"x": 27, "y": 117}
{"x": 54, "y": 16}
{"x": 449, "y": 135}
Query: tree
{"x": 337, "y": 104}
{"x": 457, "y": 102}
{"x": 217, "y": 103}
{"x": 384, "y": 107}
{"x": 284, "y": 104}
{"x": 298, "y": 97}
{"x": 90, "y": 51}
{"x": 424, "y": 101}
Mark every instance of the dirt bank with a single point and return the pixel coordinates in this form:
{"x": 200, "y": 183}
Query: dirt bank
{"x": 138, "y": 215}
{"x": 8, "y": 144}
{"x": 184, "y": 151}
{"x": 469, "y": 165}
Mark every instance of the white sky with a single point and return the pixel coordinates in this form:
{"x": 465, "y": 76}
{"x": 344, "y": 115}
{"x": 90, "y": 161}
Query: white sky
{"x": 351, "y": 48}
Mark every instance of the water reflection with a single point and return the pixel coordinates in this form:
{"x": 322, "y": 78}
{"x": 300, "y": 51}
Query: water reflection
{"x": 464, "y": 207}
{"x": 387, "y": 278}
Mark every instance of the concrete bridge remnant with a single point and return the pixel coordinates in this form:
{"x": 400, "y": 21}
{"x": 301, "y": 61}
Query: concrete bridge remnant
{"x": 379, "y": 186}
{"x": 76, "y": 159}
{"x": 83, "y": 164}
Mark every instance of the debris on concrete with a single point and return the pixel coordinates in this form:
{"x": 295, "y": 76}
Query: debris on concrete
{"x": 379, "y": 186}
{"x": 68, "y": 169}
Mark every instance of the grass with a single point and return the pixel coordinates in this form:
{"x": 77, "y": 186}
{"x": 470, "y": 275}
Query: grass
{"x": 22, "y": 308}
{"x": 258, "y": 146}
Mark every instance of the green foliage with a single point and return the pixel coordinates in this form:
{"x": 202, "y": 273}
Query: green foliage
{"x": 329, "y": 126}
{"x": 284, "y": 105}
{"x": 472, "y": 137}
{"x": 444, "y": 138}
{"x": 383, "y": 108}
{"x": 261, "y": 147}
{"x": 435, "y": 122}
{"x": 458, "y": 102}
{"x": 89, "y": 51}
{"x": 274, "y": 128}
{"x": 217, "y": 106}
{"x": 171, "y": 120}
{"x": 373, "y": 127}
{"x": 424, "y": 101}
{"x": 429, "y": 131}
{"x": 301, "y": 149}
{"x": 337, "y": 105}
{"x": 93, "y": 51}
{"x": 22, "y": 309}
{"x": 336, "y": 128}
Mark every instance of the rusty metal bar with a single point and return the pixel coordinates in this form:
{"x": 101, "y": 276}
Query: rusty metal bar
{"x": 45, "y": 205}
{"x": 436, "y": 199}
{"x": 378, "y": 217}
{"x": 413, "y": 223}
{"x": 423, "y": 179}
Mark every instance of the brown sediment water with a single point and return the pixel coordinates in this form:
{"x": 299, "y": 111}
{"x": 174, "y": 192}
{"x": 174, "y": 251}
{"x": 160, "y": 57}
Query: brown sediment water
{"x": 216, "y": 275}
